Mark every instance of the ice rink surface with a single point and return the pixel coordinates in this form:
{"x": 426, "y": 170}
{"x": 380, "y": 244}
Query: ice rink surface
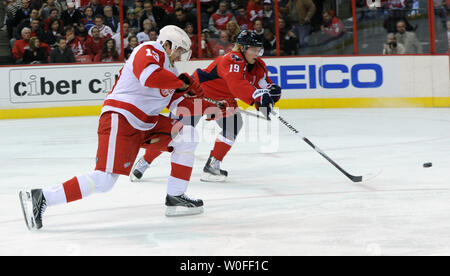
{"x": 281, "y": 198}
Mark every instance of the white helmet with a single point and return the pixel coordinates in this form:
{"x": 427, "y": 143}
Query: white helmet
{"x": 178, "y": 38}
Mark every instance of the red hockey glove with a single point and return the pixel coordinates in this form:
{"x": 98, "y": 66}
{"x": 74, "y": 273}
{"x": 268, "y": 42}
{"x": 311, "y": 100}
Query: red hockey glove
{"x": 194, "y": 89}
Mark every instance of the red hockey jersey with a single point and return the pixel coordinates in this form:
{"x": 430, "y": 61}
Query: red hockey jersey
{"x": 229, "y": 76}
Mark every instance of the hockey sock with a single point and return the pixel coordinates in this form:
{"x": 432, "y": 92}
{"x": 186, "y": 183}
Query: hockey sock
{"x": 221, "y": 147}
{"x": 182, "y": 160}
{"x": 80, "y": 187}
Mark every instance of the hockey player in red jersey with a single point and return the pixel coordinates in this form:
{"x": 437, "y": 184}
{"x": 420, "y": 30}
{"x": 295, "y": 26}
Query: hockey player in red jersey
{"x": 239, "y": 74}
{"x": 131, "y": 119}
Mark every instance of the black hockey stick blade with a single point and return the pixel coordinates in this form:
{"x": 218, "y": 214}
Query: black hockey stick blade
{"x": 318, "y": 150}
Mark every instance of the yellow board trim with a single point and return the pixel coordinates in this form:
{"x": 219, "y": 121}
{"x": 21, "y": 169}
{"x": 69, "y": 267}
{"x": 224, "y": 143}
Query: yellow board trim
{"x": 47, "y": 112}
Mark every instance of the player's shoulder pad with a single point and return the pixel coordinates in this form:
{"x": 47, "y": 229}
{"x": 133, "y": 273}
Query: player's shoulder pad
{"x": 234, "y": 57}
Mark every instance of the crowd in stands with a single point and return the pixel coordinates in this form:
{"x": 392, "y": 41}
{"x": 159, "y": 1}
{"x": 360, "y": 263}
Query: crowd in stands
{"x": 64, "y": 31}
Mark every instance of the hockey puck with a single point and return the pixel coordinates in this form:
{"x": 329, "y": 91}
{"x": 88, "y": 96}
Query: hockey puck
{"x": 427, "y": 165}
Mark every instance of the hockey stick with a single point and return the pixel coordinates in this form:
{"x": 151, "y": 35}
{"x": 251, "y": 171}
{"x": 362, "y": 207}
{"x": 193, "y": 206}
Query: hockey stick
{"x": 293, "y": 129}
{"x": 253, "y": 114}
{"x": 218, "y": 103}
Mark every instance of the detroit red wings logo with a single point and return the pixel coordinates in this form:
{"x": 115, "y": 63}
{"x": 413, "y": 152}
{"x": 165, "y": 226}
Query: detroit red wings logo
{"x": 166, "y": 92}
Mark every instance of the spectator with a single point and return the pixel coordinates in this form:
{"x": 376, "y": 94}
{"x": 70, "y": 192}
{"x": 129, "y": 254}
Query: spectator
{"x": 258, "y": 28}
{"x": 233, "y": 30}
{"x": 283, "y": 7}
{"x": 88, "y": 19}
{"x": 288, "y": 39}
{"x": 167, "y": 5}
{"x": 255, "y": 9}
{"x": 268, "y": 14}
{"x": 408, "y": 39}
{"x": 22, "y": 13}
{"x": 270, "y": 43}
{"x": 111, "y": 20}
{"x": 305, "y": 10}
{"x": 188, "y": 5}
{"x": 51, "y": 35}
{"x": 440, "y": 11}
{"x": 108, "y": 52}
{"x": 397, "y": 13}
{"x": 243, "y": 19}
{"x": 116, "y": 8}
{"x": 133, "y": 23}
{"x": 144, "y": 35}
{"x": 218, "y": 20}
{"x": 139, "y": 14}
{"x": 34, "y": 14}
{"x": 94, "y": 42}
{"x": 156, "y": 15}
{"x": 205, "y": 46}
{"x": 179, "y": 5}
{"x": 117, "y": 37}
{"x": 189, "y": 29}
{"x": 36, "y": 30}
{"x": 96, "y": 7}
{"x": 222, "y": 45}
{"x": 182, "y": 18}
{"x": 71, "y": 16}
{"x": 53, "y": 15}
{"x": 47, "y": 8}
{"x": 392, "y": 47}
{"x": 132, "y": 43}
{"x": 139, "y": 4}
{"x": 21, "y": 45}
{"x": 153, "y": 35}
{"x": 73, "y": 42}
{"x": 332, "y": 26}
{"x": 36, "y": 53}
{"x": 105, "y": 31}
{"x": 62, "y": 53}
{"x": 81, "y": 32}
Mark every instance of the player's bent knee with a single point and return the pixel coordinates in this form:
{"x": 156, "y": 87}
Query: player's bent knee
{"x": 103, "y": 181}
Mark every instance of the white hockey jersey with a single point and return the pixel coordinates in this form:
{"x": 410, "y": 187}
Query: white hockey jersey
{"x": 144, "y": 87}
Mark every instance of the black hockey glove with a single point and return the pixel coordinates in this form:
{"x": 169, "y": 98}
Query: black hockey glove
{"x": 275, "y": 92}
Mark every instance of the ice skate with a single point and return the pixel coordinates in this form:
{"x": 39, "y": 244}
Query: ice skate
{"x": 183, "y": 206}
{"x": 212, "y": 171}
{"x": 33, "y": 206}
{"x": 138, "y": 169}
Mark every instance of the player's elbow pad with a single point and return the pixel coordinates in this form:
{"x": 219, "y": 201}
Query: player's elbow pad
{"x": 156, "y": 77}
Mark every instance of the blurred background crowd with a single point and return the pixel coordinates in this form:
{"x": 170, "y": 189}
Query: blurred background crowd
{"x": 83, "y": 31}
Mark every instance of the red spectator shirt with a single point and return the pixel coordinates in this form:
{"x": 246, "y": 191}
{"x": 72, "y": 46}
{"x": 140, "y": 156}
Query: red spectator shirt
{"x": 335, "y": 28}
{"x": 244, "y": 22}
{"x": 228, "y": 77}
{"x": 77, "y": 46}
{"x": 220, "y": 21}
{"x": 110, "y": 58}
{"x": 19, "y": 48}
{"x": 255, "y": 11}
{"x": 92, "y": 46}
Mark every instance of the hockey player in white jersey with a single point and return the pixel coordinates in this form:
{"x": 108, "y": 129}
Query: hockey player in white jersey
{"x": 130, "y": 119}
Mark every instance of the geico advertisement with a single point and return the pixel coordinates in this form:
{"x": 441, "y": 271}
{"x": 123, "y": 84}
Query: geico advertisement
{"x": 58, "y": 84}
{"x": 334, "y": 75}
